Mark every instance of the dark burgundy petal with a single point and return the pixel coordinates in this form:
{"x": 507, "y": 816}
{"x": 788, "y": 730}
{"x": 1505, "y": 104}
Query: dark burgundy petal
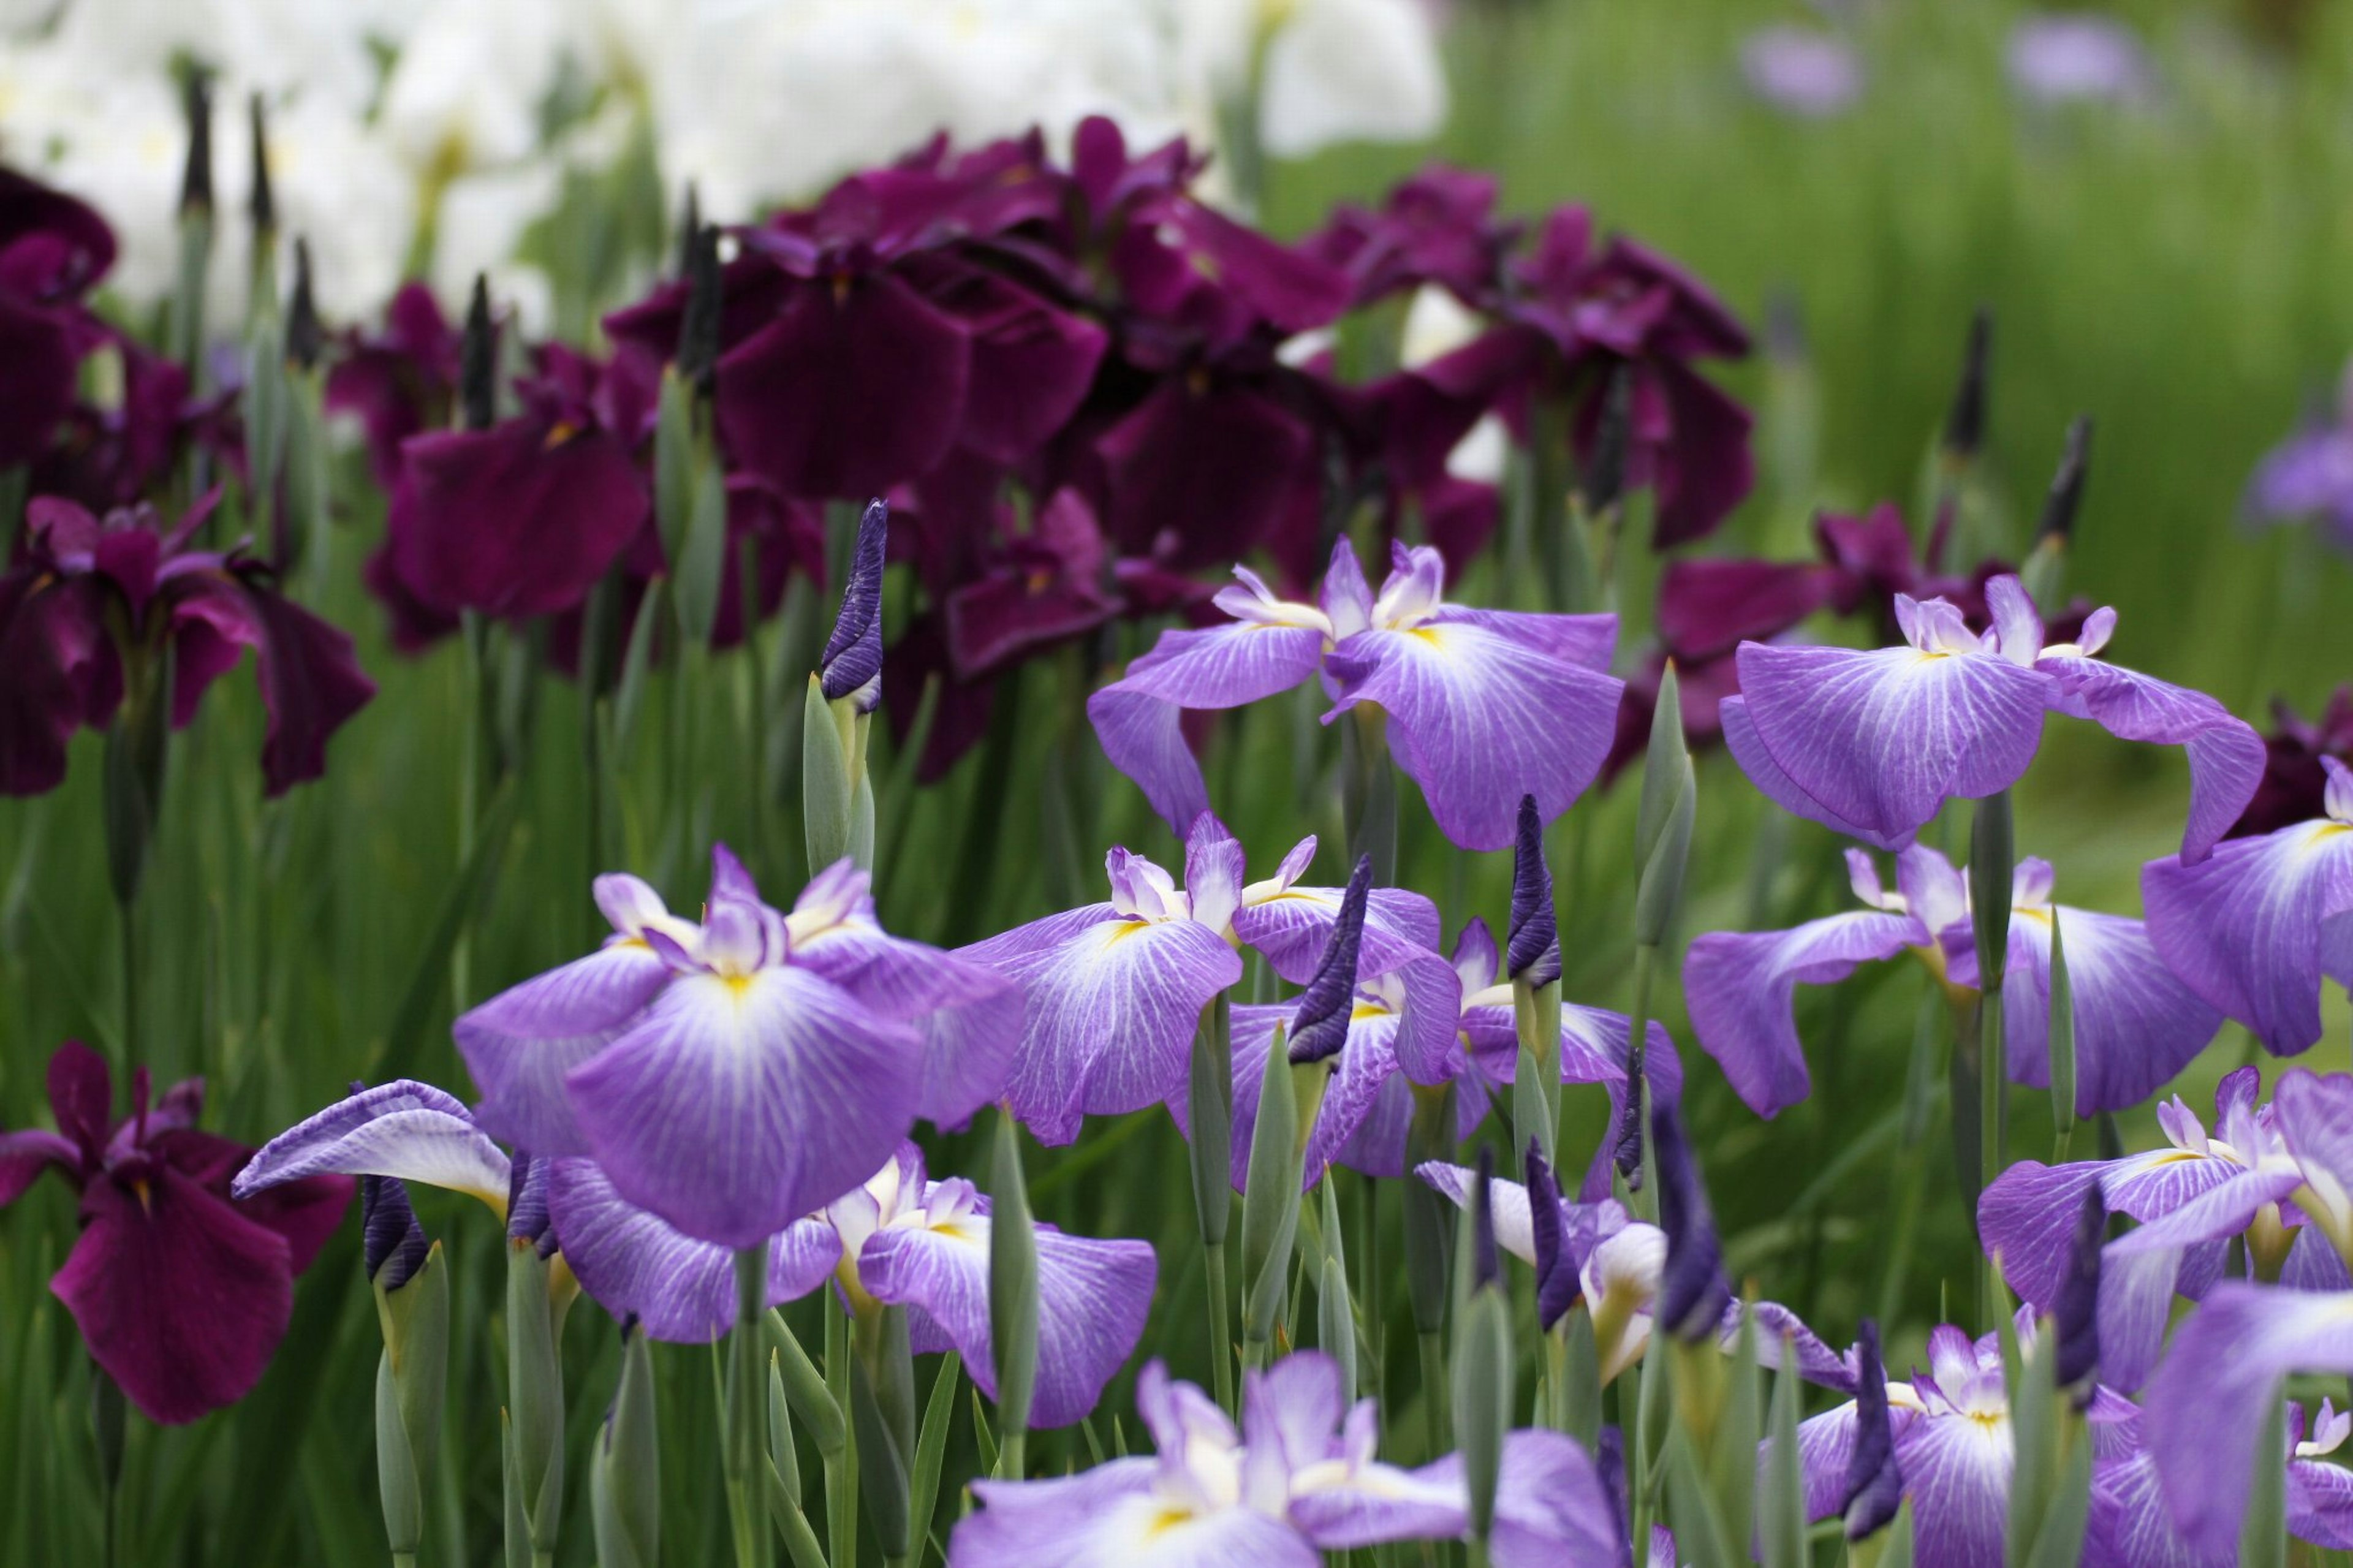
{"x": 1704, "y": 469}
{"x": 1457, "y": 516}
{"x": 50, "y": 244}
{"x": 1198, "y": 474}
{"x": 1286, "y": 287}
{"x": 310, "y": 680}
{"x": 38, "y": 363}
{"x": 1874, "y": 553}
{"x": 181, "y": 1298}
{"x": 847, "y": 391}
{"x": 1032, "y": 363}
{"x": 416, "y": 625}
{"x": 1696, "y": 323}
{"x": 24, "y": 1155}
{"x": 517, "y": 521}
{"x": 304, "y": 1212}
{"x": 81, "y": 1096}
{"x": 58, "y": 670}
{"x": 1709, "y": 607}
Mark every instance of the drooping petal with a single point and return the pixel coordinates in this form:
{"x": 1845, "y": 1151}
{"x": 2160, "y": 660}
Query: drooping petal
{"x": 1092, "y": 1301}
{"x": 58, "y": 672}
{"x": 2130, "y": 1527}
{"x": 1741, "y": 987}
{"x": 24, "y": 1155}
{"x": 1480, "y": 714}
{"x": 2136, "y": 1025}
{"x": 181, "y": 1297}
{"x": 2025, "y": 1215}
{"x": 1882, "y": 739}
{"x": 1109, "y": 1018}
{"x": 968, "y": 1014}
{"x": 2315, "y": 1117}
{"x": 2226, "y": 755}
{"x": 1508, "y": 1200}
{"x": 1109, "y": 1516}
{"x": 406, "y": 1130}
{"x": 1365, "y": 1070}
{"x": 734, "y": 1106}
{"x": 2221, "y": 1379}
{"x": 519, "y": 1045}
{"x": 2254, "y": 927}
{"x": 1138, "y": 717}
{"x": 1740, "y": 738}
{"x": 1956, "y": 1472}
{"x": 310, "y": 680}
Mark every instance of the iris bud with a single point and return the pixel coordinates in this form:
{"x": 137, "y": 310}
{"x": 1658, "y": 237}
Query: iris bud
{"x": 625, "y": 1480}
{"x": 1483, "y": 1356}
{"x": 412, "y": 1303}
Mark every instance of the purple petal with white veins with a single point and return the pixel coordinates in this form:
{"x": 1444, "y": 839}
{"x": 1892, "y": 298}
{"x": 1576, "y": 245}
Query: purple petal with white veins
{"x": 2135, "y": 1302}
{"x": 1741, "y": 739}
{"x": 1741, "y": 988}
{"x": 1479, "y": 717}
{"x": 1112, "y": 1514}
{"x": 1215, "y": 866}
{"x": 519, "y": 1045}
{"x": 2136, "y": 1025}
{"x": 2028, "y": 1212}
{"x": 2320, "y": 1503}
{"x": 1882, "y": 739}
{"x": 412, "y": 1130}
{"x": 2129, "y": 1527}
{"x": 1110, "y": 1016}
{"x": 2314, "y": 1114}
{"x": 2218, "y": 1382}
{"x": 1092, "y": 1301}
{"x": 2313, "y": 1263}
{"x": 1138, "y": 717}
{"x": 2226, "y": 755}
{"x": 737, "y": 1106}
{"x": 1376, "y": 1503}
{"x": 2254, "y": 928}
{"x": 968, "y": 1014}
{"x": 1365, "y": 1070}
{"x": 1957, "y": 1473}
{"x": 1825, "y": 1454}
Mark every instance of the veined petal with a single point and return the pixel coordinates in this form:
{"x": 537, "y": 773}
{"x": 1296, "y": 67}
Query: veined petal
{"x": 2130, "y": 1527}
{"x": 1109, "y": 1019}
{"x": 1110, "y": 1517}
{"x": 2226, "y": 755}
{"x": 1366, "y": 1069}
{"x": 736, "y": 1106}
{"x": 1882, "y": 739}
{"x": 1289, "y": 925}
{"x": 2028, "y": 1213}
{"x": 631, "y": 1261}
{"x": 1825, "y": 1454}
{"x": 1740, "y": 738}
{"x": 1515, "y": 1232}
{"x": 1479, "y": 717}
{"x": 519, "y": 1045}
{"x": 1741, "y": 988}
{"x": 2254, "y": 928}
{"x": 1956, "y": 1472}
{"x": 968, "y": 1014}
{"x": 403, "y": 1129}
{"x": 1376, "y": 1503}
{"x": 2221, "y": 1379}
{"x": 1137, "y": 718}
{"x": 2136, "y": 1025}
{"x": 1092, "y": 1301}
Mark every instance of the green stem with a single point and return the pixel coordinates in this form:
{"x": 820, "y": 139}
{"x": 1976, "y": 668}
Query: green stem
{"x": 1638, "y": 1078}
{"x": 748, "y": 1392}
{"x": 134, "y": 1055}
{"x": 1435, "y": 1393}
{"x": 840, "y": 1466}
{"x": 1221, "y": 1336}
{"x": 1993, "y": 1119}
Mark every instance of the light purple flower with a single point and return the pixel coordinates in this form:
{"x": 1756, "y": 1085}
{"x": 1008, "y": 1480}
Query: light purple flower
{"x": 1801, "y": 71}
{"x": 2075, "y": 56}
{"x": 1299, "y": 1479}
{"x": 408, "y": 1131}
{"x": 2132, "y": 1526}
{"x": 899, "y": 1239}
{"x": 2136, "y": 1023}
{"x": 1617, "y": 1261}
{"x": 1425, "y": 1021}
{"x": 1483, "y": 706}
{"x": 734, "y": 1075}
{"x": 1115, "y": 990}
{"x": 2256, "y": 929}
{"x": 1873, "y": 744}
{"x": 2310, "y": 475}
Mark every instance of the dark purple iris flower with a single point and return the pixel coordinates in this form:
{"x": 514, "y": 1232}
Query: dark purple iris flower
{"x": 53, "y": 250}
{"x": 2296, "y": 782}
{"x": 1436, "y": 227}
{"x": 400, "y": 381}
{"x": 92, "y": 603}
{"x": 522, "y": 519}
{"x": 182, "y": 1294}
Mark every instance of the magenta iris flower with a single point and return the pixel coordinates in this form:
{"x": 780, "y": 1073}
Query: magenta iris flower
{"x": 1484, "y": 706}
{"x": 1873, "y": 744}
{"x": 900, "y": 1239}
{"x": 94, "y": 602}
{"x": 735, "y": 1075}
{"x": 182, "y": 1292}
{"x": 2136, "y": 1023}
{"x": 1299, "y": 1478}
{"x": 399, "y": 382}
{"x": 53, "y": 251}
{"x": 2255, "y": 930}
{"x": 1115, "y": 990}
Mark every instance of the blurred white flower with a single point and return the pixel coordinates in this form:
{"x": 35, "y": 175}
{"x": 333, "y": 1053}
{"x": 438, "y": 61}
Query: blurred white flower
{"x": 1436, "y": 325}
{"x": 1344, "y": 70}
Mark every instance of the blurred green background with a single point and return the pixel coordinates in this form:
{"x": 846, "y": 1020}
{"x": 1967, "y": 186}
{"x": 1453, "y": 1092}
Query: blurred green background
{"x": 2181, "y": 267}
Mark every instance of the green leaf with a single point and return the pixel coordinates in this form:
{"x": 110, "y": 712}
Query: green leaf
{"x": 1271, "y": 1196}
{"x": 805, "y": 1387}
{"x": 2062, "y": 1039}
{"x": 428, "y": 982}
{"x": 1012, "y": 1285}
{"x": 2262, "y": 1536}
{"x": 1210, "y": 1089}
{"x": 1781, "y": 1507}
{"x": 826, "y": 806}
{"x": 930, "y": 1447}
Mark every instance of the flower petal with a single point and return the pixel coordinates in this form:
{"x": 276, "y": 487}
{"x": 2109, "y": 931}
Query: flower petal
{"x": 2254, "y": 928}
{"x": 1741, "y": 988}
{"x": 1957, "y": 1473}
{"x": 1108, "y": 1515}
{"x": 2226, "y": 755}
{"x": 734, "y": 1107}
{"x": 968, "y": 1014}
{"x": 2136, "y": 1025}
{"x": 519, "y": 1045}
{"x": 402, "y": 1129}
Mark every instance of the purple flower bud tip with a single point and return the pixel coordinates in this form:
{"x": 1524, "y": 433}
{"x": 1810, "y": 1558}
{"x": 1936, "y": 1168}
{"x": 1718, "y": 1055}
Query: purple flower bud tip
{"x": 698, "y": 332}
{"x": 1486, "y": 1265}
{"x": 305, "y": 339}
{"x": 478, "y": 360}
{"x": 2075, "y": 1318}
{"x": 1874, "y": 1482}
{"x": 1532, "y": 949}
{"x": 392, "y": 1243}
{"x": 527, "y": 1216}
{"x": 1964, "y": 426}
{"x": 2067, "y": 485}
{"x": 1321, "y": 1026}
{"x": 853, "y": 666}
{"x": 264, "y": 205}
{"x": 1556, "y": 1275}
{"x": 196, "y": 178}
{"x": 1691, "y": 1293}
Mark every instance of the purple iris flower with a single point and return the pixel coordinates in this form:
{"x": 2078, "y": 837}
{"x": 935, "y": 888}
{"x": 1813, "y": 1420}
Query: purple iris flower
{"x": 1299, "y": 1478}
{"x": 2136, "y": 1023}
{"x": 1115, "y": 990}
{"x": 2296, "y": 782}
{"x": 182, "y": 1291}
{"x": 399, "y": 382}
{"x": 1872, "y": 743}
{"x": 1591, "y": 1251}
{"x": 1483, "y": 706}
{"x": 92, "y": 603}
{"x": 2256, "y": 928}
{"x": 1801, "y": 71}
{"x": 53, "y": 251}
{"x": 403, "y": 1130}
{"x": 1952, "y": 1445}
{"x": 2261, "y": 1174}
{"x": 2075, "y": 56}
{"x": 522, "y": 519}
{"x": 898, "y": 1239}
{"x": 2132, "y": 1523}
{"x": 2310, "y": 475}
{"x": 735, "y": 1075}
{"x": 1438, "y": 225}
